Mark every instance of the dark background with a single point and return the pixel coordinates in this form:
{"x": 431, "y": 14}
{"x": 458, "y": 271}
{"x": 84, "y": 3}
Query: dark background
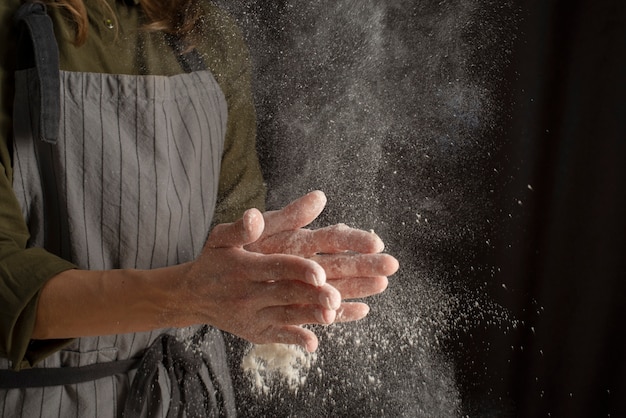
{"x": 483, "y": 140}
{"x": 567, "y": 138}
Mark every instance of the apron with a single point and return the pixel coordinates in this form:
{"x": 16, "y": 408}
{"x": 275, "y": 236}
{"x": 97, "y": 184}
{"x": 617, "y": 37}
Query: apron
{"x": 119, "y": 171}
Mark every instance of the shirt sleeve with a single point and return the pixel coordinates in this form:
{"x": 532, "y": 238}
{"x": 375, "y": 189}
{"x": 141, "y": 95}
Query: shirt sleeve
{"x": 23, "y": 272}
{"x": 241, "y": 183}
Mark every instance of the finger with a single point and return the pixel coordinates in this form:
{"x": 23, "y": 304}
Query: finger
{"x": 356, "y": 265}
{"x": 297, "y": 214}
{"x": 352, "y": 311}
{"x": 237, "y": 234}
{"x": 290, "y": 292}
{"x": 341, "y": 238}
{"x": 332, "y": 239}
{"x": 297, "y": 315}
{"x": 276, "y": 267}
{"x": 359, "y": 287}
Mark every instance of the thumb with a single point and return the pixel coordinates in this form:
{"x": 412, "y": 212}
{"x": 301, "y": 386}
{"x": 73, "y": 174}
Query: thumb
{"x": 237, "y": 234}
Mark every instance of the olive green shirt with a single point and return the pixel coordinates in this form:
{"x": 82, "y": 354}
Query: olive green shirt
{"x": 116, "y": 44}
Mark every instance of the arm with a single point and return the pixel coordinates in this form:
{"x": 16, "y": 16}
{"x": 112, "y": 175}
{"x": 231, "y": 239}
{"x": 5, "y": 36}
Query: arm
{"x": 248, "y": 281}
{"x": 262, "y": 298}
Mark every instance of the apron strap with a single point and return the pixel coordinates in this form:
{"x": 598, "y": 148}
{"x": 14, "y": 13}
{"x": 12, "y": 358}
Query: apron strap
{"x": 59, "y": 376}
{"x": 181, "y": 361}
{"x": 37, "y": 48}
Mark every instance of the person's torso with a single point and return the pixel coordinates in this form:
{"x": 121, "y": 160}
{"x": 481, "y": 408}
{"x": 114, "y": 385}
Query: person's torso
{"x": 132, "y": 182}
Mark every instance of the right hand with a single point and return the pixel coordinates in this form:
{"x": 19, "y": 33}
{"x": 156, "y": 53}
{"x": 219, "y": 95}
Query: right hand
{"x": 263, "y": 298}
{"x": 351, "y": 258}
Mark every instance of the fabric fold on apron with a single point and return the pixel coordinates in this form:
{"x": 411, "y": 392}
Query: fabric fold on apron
{"x": 189, "y": 391}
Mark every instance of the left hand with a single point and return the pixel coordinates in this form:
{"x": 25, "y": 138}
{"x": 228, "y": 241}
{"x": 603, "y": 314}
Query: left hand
{"x": 351, "y": 258}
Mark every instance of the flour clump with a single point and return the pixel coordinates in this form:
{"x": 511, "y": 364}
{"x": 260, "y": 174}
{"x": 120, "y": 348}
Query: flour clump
{"x": 277, "y": 363}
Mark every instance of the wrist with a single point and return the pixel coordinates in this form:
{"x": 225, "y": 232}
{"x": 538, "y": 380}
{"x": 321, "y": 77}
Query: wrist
{"x": 170, "y": 295}
{"x": 80, "y": 303}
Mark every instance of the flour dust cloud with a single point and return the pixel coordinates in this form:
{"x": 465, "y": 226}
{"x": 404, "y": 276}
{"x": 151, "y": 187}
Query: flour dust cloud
{"x": 390, "y": 108}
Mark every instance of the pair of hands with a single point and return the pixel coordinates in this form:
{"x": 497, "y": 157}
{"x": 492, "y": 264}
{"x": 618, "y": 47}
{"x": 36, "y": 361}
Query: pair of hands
{"x": 264, "y": 276}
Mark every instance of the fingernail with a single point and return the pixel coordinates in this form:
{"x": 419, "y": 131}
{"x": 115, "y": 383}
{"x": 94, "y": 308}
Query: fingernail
{"x": 248, "y": 219}
{"x": 319, "y": 316}
{"x": 330, "y": 301}
{"x": 311, "y": 278}
{"x": 379, "y": 244}
{"x": 315, "y": 279}
{"x": 325, "y": 316}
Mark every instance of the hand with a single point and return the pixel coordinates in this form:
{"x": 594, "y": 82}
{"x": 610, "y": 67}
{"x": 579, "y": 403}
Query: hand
{"x": 349, "y": 257}
{"x": 263, "y": 298}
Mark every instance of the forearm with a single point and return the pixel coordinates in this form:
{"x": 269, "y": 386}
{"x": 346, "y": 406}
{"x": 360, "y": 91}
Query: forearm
{"x": 79, "y": 303}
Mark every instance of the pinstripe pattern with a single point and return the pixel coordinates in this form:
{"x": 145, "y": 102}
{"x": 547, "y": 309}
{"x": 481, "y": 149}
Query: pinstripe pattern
{"x": 136, "y": 171}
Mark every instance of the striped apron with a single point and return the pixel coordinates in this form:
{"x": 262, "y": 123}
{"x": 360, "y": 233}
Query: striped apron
{"x": 119, "y": 171}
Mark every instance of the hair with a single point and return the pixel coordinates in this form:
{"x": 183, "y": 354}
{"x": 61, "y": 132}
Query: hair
{"x": 177, "y": 17}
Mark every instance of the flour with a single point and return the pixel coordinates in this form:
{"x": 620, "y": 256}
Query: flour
{"x": 387, "y": 106}
{"x": 268, "y": 363}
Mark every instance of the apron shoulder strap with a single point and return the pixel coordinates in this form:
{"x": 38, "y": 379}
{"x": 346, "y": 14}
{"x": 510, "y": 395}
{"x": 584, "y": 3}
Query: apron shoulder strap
{"x": 37, "y": 48}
